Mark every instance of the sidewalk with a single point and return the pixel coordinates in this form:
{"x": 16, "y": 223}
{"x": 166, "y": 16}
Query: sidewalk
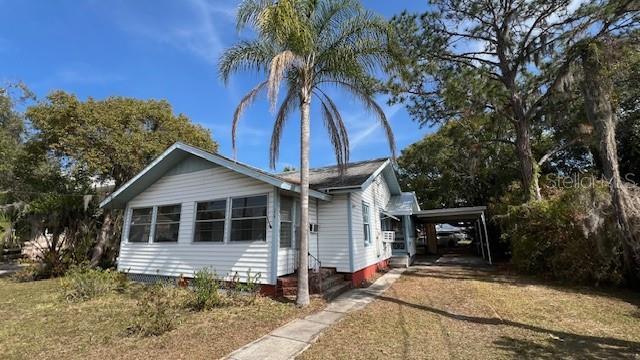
{"x": 290, "y": 340}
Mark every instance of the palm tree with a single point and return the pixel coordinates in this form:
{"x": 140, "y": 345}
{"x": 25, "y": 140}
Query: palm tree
{"x": 309, "y": 45}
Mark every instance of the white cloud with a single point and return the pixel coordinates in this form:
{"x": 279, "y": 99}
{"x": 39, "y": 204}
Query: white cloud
{"x": 364, "y": 126}
{"x": 195, "y": 28}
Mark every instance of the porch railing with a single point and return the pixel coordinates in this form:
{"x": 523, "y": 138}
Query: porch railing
{"x": 313, "y": 262}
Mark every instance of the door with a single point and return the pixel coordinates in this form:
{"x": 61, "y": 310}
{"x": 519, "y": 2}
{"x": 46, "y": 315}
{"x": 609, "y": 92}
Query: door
{"x": 314, "y": 257}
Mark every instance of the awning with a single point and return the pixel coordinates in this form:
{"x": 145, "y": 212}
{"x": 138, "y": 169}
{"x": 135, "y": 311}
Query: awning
{"x": 387, "y": 214}
{"x": 403, "y": 204}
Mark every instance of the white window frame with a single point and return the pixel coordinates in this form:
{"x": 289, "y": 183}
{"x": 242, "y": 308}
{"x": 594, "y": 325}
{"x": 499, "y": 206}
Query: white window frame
{"x": 224, "y": 226}
{"x": 151, "y": 229}
{"x": 229, "y": 219}
{"x": 291, "y": 223}
{"x": 366, "y": 220}
{"x": 155, "y": 223}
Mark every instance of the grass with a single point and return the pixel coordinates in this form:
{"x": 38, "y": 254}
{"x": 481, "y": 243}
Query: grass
{"x": 35, "y": 322}
{"x": 461, "y": 313}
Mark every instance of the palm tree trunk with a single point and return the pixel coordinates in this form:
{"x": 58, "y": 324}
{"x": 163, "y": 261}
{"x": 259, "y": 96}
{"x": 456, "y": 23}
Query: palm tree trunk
{"x": 303, "y": 268}
{"x": 599, "y": 109}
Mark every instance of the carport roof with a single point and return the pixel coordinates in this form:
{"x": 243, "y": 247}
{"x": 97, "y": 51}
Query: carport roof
{"x": 451, "y": 214}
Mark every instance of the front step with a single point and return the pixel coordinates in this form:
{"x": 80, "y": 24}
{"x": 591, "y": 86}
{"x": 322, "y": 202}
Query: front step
{"x": 326, "y": 282}
{"x": 399, "y": 261}
{"x": 337, "y": 289}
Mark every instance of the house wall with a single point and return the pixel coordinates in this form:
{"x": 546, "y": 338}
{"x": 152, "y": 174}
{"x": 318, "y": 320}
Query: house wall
{"x": 377, "y": 195}
{"x": 187, "y": 184}
{"x": 333, "y": 233}
{"x": 287, "y": 257}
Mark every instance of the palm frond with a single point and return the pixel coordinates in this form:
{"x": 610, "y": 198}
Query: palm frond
{"x": 336, "y": 129}
{"x": 246, "y": 55}
{"x": 288, "y": 105}
{"x": 247, "y": 100}
{"x": 250, "y": 11}
{"x": 279, "y": 64}
{"x": 366, "y": 98}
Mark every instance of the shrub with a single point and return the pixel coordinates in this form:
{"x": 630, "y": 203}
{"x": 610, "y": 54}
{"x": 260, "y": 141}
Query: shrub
{"x": 205, "y": 290}
{"x": 29, "y": 272}
{"x": 570, "y": 236}
{"x": 83, "y": 283}
{"x": 244, "y": 293}
{"x": 156, "y": 312}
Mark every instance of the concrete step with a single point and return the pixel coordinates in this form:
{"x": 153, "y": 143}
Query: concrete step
{"x": 331, "y": 281}
{"x": 336, "y": 290}
{"x": 401, "y": 261}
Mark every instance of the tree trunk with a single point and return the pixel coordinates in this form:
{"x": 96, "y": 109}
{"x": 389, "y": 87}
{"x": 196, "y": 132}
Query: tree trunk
{"x": 528, "y": 166}
{"x": 597, "y": 91}
{"x": 103, "y": 238}
{"x": 303, "y": 268}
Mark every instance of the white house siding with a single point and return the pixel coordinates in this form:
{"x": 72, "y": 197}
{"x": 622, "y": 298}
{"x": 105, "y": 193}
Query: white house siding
{"x": 286, "y": 257}
{"x": 377, "y": 195}
{"x": 185, "y": 257}
{"x": 333, "y": 234}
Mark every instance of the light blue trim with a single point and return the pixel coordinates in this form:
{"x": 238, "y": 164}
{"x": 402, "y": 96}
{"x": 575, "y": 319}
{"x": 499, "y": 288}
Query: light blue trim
{"x": 350, "y": 230}
{"x": 275, "y": 235}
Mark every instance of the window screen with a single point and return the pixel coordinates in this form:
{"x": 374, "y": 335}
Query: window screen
{"x": 210, "y": 216}
{"x": 167, "y": 223}
{"x": 249, "y": 218}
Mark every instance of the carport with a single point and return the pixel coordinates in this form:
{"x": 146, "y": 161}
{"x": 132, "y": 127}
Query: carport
{"x": 474, "y": 215}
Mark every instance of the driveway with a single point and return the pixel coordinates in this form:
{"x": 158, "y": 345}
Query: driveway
{"x": 457, "y": 308}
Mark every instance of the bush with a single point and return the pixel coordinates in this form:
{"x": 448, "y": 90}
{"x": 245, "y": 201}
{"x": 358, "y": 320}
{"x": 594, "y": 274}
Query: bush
{"x": 156, "y": 312}
{"x": 30, "y": 272}
{"x": 244, "y": 293}
{"x": 83, "y": 283}
{"x": 570, "y": 236}
{"x": 205, "y": 290}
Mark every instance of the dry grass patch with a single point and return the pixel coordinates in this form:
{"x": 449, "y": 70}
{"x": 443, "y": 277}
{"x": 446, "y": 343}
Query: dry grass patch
{"x": 36, "y": 322}
{"x": 463, "y": 313}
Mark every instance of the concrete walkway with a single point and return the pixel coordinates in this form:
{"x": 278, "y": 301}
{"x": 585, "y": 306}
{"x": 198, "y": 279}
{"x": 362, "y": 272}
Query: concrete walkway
{"x": 290, "y": 340}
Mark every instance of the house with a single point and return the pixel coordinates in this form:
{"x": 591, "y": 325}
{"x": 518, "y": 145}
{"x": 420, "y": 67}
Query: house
{"x": 191, "y": 209}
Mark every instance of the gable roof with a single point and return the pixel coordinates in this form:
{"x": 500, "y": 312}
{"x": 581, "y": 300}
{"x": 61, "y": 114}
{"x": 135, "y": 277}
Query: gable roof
{"x": 177, "y": 153}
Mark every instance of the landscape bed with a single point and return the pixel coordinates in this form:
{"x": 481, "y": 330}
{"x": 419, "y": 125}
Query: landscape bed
{"x": 36, "y": 322}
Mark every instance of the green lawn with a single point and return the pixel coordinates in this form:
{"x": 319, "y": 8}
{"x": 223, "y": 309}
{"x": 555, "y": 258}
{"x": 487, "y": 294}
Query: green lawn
{"x": 450, "y": 312}
{"x": 35, "y": 323}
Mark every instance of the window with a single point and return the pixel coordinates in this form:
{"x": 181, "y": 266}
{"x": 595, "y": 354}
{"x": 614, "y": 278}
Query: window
{"x": 365, "y": 222}
{"x": 140, "y": 226}
{"x": 249, "y": 218}
{"x": 286, "y": 221}
{"x": 167, "y": 223}
{"x": 210, "y": 217}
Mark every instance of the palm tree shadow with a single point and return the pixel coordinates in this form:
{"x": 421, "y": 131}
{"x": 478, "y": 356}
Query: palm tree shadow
{"x": 503, "y": 276}
{"x": 561, "y": 344}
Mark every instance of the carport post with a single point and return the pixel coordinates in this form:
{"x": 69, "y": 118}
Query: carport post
{"x": 486, "y": 236}
{"x": 479, "y": 231}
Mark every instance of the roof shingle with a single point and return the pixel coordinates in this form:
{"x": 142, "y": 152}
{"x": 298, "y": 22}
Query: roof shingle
{"x": 329, "y": 177}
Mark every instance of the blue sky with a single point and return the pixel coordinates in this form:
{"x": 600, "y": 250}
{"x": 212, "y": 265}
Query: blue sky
{"x": 168, "y": 50}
